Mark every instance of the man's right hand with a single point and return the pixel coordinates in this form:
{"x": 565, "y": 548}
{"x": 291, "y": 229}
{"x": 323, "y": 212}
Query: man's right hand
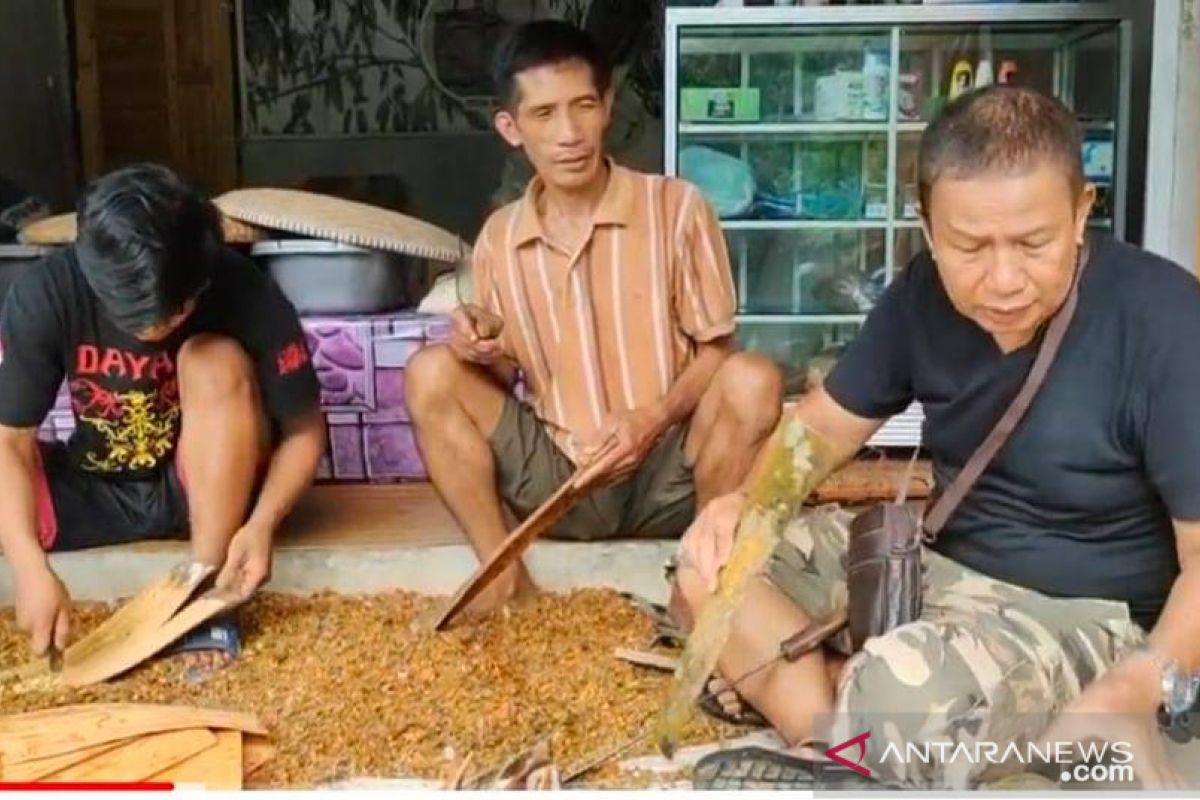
{"x": 706, "y": 545}
{"x": 43, "y": 609}
{"x": 475, "y": 335}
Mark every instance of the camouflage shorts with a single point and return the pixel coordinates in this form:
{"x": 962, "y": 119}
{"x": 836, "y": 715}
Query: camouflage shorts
{"x": 987, "y": 660}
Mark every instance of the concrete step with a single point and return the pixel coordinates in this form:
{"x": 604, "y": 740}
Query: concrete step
{"x": 361, "y": 539}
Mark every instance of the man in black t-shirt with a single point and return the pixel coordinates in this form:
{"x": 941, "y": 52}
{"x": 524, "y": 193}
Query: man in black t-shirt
{"x": 195, "y": 403}
{"x": 1069, "y": 578}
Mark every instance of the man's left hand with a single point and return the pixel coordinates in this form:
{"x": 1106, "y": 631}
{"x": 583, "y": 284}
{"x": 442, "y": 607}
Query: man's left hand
{"x": 248, "y": 560}
{"x": 623, "y": 443}
{"x": 1121, "y": 706}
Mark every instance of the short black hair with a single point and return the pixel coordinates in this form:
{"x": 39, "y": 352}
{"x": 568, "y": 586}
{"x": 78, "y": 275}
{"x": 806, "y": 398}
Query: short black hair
{"x": 999, "y": 128}
{"x": 543, "y": 42}
{"x": 147, "y": 243}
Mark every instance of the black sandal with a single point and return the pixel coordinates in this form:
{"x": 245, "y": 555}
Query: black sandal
{"x": 757, "y": 768}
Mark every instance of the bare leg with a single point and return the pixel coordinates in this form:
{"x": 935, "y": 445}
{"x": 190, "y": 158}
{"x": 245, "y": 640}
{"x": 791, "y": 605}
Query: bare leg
{"x": 223, "y": 442}
{"x": 455, "y": 408}
{"x": 789, "y": 695}
{"x": 737, "y": 413}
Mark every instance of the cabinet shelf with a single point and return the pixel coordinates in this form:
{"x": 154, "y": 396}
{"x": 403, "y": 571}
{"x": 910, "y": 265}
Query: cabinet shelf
{"x": 802, "y": 224}
{"x": 802, "y": 319}
{"x": 793, "y": 128}
{"x": 824, "y": 120}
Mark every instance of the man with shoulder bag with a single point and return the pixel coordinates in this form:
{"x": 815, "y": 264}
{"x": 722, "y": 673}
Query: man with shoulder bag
{"x": 1054, "y": 577}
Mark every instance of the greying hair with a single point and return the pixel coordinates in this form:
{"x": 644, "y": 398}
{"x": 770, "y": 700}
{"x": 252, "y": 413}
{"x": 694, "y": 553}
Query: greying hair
{"x": 1004, "y": 129}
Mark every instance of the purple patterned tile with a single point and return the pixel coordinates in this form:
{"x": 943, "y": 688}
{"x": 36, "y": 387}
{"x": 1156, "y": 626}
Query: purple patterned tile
{"x": 392, "y": 453}
{"x": 342, "y": 357}
{"x": 346, "y": 446}
{"x": 389, "y": 391}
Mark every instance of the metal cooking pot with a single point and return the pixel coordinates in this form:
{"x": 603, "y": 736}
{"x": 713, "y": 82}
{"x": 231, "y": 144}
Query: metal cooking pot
{"x": 322, "y": 277}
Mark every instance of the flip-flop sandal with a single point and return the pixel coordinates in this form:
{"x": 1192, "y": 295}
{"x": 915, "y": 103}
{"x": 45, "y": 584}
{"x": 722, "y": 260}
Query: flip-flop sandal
{"x": 758, "y": 768}
{"x": 220, "y": 635}
{"x": 803, "y": 641}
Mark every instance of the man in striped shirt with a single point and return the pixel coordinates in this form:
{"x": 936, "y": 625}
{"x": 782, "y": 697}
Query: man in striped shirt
{"x": 611, "y": 291}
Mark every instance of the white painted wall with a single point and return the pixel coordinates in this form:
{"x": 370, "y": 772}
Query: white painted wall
{"x": 1173, "y": 168}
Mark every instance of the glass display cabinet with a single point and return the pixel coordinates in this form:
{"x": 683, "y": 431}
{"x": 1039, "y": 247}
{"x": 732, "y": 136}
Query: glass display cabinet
{"x": 801, "y": 126}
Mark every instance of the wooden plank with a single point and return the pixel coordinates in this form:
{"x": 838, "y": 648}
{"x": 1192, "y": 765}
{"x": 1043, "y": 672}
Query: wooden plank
{"x": 256, "y": 751}
{"x": 641, "y": 658}
{"x": 206, "y": 93}
{"x": 41, "y": 767}
{"x": 140, "y": 758}
{"x": 218, "y": 768}
{"x": 147, "y": 610}
{"x": 144, "y": 642}
{"x": 67, "y": 729}
{"x": 87, "y": 88}
{"x": 170, "y": 74}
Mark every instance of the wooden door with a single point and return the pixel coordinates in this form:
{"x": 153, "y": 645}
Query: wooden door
{"x": 155, "y": 83}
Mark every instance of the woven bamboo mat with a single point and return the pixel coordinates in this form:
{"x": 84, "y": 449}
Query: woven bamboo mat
{"x": 326, "y": 217}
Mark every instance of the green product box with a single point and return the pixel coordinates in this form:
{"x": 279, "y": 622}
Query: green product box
{"x": 719, "y": 105}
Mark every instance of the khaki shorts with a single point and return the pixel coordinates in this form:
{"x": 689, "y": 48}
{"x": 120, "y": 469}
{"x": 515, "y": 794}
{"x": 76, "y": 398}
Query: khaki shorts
{"x": 987, "y": 661}
{"x": 657, "y": 502}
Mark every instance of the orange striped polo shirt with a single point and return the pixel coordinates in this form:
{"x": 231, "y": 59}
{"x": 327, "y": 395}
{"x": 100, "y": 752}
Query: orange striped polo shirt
{"x": 611, "y": 326}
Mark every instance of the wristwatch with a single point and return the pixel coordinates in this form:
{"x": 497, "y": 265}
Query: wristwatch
{"x": 1179, "y": 688}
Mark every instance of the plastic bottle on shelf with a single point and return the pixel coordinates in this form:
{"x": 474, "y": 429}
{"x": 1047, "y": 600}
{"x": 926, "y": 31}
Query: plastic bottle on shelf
{"x": 876, "y": 76}
{"x": 983, "y": 71}
{"x": 961, "y": 78}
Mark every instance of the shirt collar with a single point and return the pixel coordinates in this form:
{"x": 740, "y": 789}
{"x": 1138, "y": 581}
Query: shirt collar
{"x": 615, "y": 208}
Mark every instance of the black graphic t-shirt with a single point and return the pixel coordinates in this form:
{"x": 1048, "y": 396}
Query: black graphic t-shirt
{"x": 125, "y": 392}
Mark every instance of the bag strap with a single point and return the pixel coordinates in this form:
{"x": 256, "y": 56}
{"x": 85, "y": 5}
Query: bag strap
{"x": 948, "y": 501}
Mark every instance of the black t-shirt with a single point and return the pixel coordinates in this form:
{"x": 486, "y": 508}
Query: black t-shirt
{"x": 125, "y": 392}
{"x": 1079, "y": 502}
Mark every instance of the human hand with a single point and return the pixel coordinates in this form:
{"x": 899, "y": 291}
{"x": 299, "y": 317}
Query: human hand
{"x": 247, "y": 561}
{"x": 43, "y": 608}
{"x": 622, "y": 444}
{"x": 1121, "y": 707}
{"x": 475, "y": 335}
{"x": 708, "y": 541}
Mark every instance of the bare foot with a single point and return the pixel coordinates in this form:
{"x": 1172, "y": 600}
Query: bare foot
{"x": 730, "y": 700}
{"x": 504, "y": 591}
